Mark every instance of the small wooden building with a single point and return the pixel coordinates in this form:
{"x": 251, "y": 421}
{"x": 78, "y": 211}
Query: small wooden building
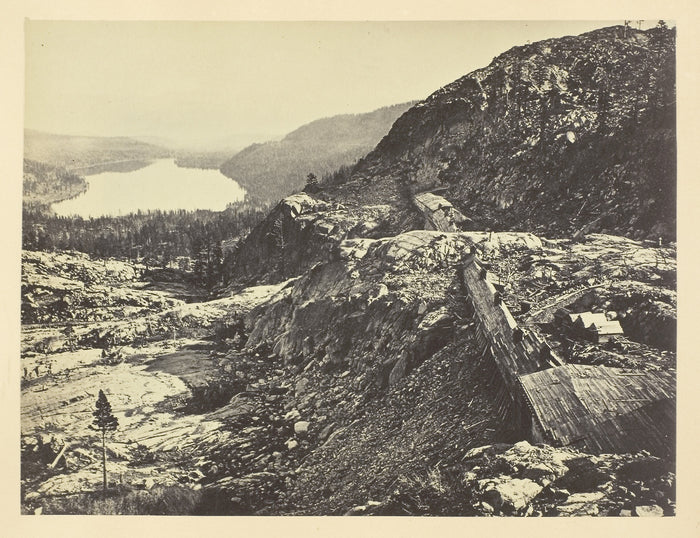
{"x": 602, "y": 409}
{"x": 592, "y": 326}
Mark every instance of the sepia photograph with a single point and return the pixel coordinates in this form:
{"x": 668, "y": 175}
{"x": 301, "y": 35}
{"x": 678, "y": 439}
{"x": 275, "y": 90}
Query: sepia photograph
{"x": 349, "y": 268}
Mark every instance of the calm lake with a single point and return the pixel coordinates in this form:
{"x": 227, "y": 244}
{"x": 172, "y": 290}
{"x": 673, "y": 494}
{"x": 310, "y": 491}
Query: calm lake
{"x": 159, "y": 185}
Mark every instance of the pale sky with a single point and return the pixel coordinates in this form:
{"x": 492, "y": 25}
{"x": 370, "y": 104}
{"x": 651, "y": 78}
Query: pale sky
{"x": 233, "y": 83}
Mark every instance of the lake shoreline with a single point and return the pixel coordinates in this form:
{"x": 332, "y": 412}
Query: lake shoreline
{"x": 160, "y": 185}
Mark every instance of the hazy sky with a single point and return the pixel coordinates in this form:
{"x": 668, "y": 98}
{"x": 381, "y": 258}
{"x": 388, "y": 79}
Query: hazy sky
{"x": 233, "y": 83}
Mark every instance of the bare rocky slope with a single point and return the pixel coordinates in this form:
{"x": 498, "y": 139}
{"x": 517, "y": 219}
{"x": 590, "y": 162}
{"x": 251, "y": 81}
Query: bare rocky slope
{"x": 342, "y": 371}
{"x": 551, "y": 137}
{"x": 562, "y": 138}
{"x": 358, "y": 387}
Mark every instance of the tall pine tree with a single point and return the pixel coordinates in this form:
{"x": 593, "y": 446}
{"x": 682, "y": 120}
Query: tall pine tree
{"x": 104, "y": 422}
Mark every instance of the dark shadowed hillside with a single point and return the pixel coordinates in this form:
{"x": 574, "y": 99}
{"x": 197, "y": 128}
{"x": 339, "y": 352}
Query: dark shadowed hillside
{"x": 273, "y": 170}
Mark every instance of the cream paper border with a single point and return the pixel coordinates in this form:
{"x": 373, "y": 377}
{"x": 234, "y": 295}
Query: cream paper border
{"x": 686, "y": 15}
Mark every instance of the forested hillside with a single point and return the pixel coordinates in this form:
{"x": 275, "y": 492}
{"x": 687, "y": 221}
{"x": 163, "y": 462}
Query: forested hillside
{"x": 157, "y": 238}
{"x": 43, "y": 184}
{"x": 273, "y": 170}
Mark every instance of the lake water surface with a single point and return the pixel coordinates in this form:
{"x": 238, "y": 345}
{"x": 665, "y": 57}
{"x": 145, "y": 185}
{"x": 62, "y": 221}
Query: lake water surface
{"x": 160, "y": 185}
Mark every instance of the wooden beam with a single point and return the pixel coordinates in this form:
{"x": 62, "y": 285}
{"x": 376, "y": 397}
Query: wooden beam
{"x": 53, "y": 464}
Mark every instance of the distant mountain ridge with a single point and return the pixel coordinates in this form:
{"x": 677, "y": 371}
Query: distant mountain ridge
{"x": 272, "y": 170}
{"x": 76, "y": 152}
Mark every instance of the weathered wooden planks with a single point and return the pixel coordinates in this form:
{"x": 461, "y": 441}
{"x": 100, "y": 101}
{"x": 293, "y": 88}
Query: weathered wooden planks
{"x": 514, "y": 356}
{"x": 596, "y": 408}
{"x": 603, "y": 409}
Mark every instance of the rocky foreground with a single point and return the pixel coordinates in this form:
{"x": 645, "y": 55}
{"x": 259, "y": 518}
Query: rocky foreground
{"x": 355, "y": 388}
{"x": 343, "y": 371}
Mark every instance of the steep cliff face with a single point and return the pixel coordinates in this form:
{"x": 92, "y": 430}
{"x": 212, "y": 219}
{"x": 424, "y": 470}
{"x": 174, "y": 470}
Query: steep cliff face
{"x": 555, "y": 136}
{"x": 302, "y": 231}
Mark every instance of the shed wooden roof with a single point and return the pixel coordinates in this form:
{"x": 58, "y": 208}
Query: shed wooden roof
{"x": 588, "y": 319}
{"x": 604, "y": 409}
{"x": 609, "y": 327}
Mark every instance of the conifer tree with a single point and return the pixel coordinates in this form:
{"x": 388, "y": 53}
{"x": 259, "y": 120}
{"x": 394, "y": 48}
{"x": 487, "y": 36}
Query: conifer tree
{"x": 104, "y": 422}
{"x": 312, "y": 180}
{"x": 312, "y": 185}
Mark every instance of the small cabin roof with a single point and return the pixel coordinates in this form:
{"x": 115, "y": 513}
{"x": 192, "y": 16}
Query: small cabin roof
{"x": 589, "y": 319}
{"x": 610, "y": 327}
